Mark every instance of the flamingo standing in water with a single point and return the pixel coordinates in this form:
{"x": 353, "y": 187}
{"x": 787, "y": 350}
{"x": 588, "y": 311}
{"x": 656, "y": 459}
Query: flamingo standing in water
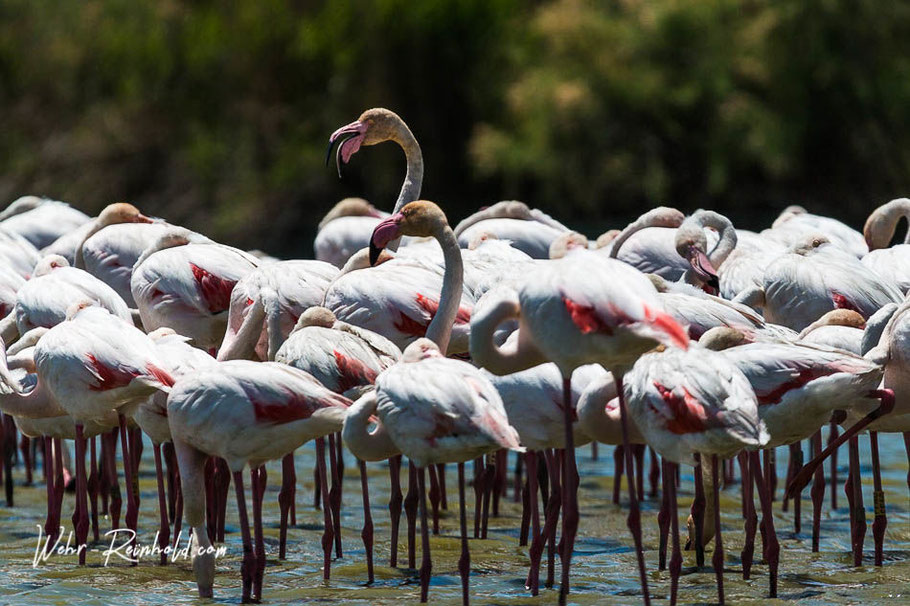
{"x": 694, "y": 402}
{"x": 432, "y": 409}
{"x": 577, "y": 310}
{"x": 246, "y": 413}
{"x": 40, "y": 220}
{"x": 91, "y": 364}
{"x": 346, "y": 359}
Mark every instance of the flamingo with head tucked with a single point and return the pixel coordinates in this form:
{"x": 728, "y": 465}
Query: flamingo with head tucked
{"x": 40, "y": 220}
{"x": 529, "y": 230}
{"x": 892, "y": 263}
{"x": 345, "y": 229}
{"x": 795, "y": 224}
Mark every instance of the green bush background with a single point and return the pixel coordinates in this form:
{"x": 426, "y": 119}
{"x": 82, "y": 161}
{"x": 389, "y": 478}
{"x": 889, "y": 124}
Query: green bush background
{"x": 216, "y": 114}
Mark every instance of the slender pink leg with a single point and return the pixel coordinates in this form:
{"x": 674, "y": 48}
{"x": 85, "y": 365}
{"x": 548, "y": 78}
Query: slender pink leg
{"x": 552, "y": 513}
{"x": 489, "y": 481}
{"x": 285, "y": 496}
{"x": 59, "y": 487}
{"x": 80, "y": 517}
{"x": 718, "y": 558}
{"x": 178, "y": 511}
{"x": 676, "y": 555}
{"x": 618, "y": 464}
{"x": 501, "y": 458}
{"x": 211, "y": 506}
{"x": 93, "y": 489}
{"x": 663, "y": 520}
{"x": 464, "y": 562}
{"x": 525, "y": 511}
{"x": 536, "y": 549}
{"x": 335, "y": 493}
{"x": 878, "y": 498}
{"x": 698, "y": 515}
{"x": 395, "y": 500}
{"x": 25, "y": 448}
{"x": 887, "y": 405}
{"x": 638, "y": 451}
{"x": 50, "y": 527}
{"x": 654, "y": 474}
{"x": 749, "y": 514}
{"x": 441, "y": 476}
{"x": 818, "y": 491}
{"x": 326, "y": 509}
{"x": 367, "y": 533}
{"x": 519, "y": 486}
{"x": 248, "y": 565}
{"x": 832, "y": 435}
{"x": 222, "y": 489}
{"x": 317, "y": 496}
{"x": 434, "y": 498}
{"x": 479, "y": 476}
{"x": 164, "y": 531}
{"x": 426, "y": 566}
{"x": 773, "y": 549}
{"x": 785, "y": 503}
{"x": 634, "y": 518}
{"x": 797, "y": 453}
{"x": 569, "y": 493}
{"x": 410, "y": 512}
{"x": 132, "y": 508}
{"x": 907, "y": 450}
{"x": 170, "y": 475}
{"x": 857, "y": 511}
{"x": 257, "y": 527}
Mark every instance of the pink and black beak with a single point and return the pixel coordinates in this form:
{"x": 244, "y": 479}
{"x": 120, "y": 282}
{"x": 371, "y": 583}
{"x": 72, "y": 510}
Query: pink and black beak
{"x": 703, "y": 268}
{"x": 349, "y": 138}
{"x": 386, "y": 231}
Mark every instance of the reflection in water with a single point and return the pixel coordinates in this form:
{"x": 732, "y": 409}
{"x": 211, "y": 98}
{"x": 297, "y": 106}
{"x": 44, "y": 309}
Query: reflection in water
{"x": 603, "y": 565}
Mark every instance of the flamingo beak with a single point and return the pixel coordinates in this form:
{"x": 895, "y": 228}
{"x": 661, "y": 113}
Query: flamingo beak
{"x": 703, "y": 268}
{"x": 140, "y": 218}
{"x": 351, "y": 137}
{"x": 384, "y": 232}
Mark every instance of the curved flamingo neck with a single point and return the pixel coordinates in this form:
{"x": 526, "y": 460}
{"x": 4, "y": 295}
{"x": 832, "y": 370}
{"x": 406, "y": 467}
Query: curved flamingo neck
{"x": 79, "y": 260}
{"x": 440, "y": 329}
{"x": 366, "y": 445}
{"x": 519, "y": 355}
{"x": 888, "y": 215}
{"x": 413, "y": 178}
{"x": 727, "y": 240}
{"x": 242, "y": 344}
{"x": 661, "y": 216}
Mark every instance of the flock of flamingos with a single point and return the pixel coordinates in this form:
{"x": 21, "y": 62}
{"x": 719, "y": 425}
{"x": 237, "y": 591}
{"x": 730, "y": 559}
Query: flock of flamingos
{"x": 682, "y": 335}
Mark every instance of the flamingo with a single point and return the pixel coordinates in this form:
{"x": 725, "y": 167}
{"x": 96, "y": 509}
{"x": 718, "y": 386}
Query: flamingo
{"x": 376, "y": 126}
{"x": 812, "y": 278}
{"x": 529, "y": 230}
{"x": 652, "y": 246}
{"x": 17, "y": 254}
{"x": 346, "y": 359}
{"x": 893, "y": 263}
{"x": 69, "y": 244}
{"x": 184, "y": 282}
{"x": 10, "y": 283}
{"x": 345, "y": 229}
{"x": 91, "y": 364}
{"x": 246, "y": 413}
{"x": 795, "y": 224}
{"x": 689, "y": 403}
{"x": 580, "y": 309}
{"x": 746, "y": 264}
{"x": 286, "y": 289}
{"x": 45, "y": 299}
{"x": 40, "y": 220}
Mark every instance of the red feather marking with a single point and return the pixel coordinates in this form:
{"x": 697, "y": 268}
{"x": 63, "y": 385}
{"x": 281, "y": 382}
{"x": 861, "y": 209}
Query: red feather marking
{"x": 689, "y": 416}
{"x": 668, "y": 325}
{"x": 804, "y": 377}
{"x": 585, "y": 317}
{"x": 418, "y": 328}
{"x": 110, "y": 377}
{"x": 162, "y": 375}
{"x": 842, "y": 302}
{"x": 249, "y": 301}
{"x": 215, "y": 291}
{"x": 352, "y": 372}
{"x": 443, "y": 425}
{"x": 294, "y": 408}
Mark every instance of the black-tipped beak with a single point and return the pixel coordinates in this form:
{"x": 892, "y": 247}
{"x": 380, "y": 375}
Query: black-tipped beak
{"x": 374, "y": 253}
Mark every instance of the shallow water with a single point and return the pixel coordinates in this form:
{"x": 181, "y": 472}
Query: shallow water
{"x": 604, "y": 565}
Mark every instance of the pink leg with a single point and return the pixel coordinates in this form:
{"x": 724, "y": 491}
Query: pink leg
{"x": 434, "y": 498}
{"x": 222, "y": 489}
{"x": 663, "y": 520}
{"x": 552, "y": 513}
{"x": 426, "y": 566}
{"x": 718, "y": 559}
{"x": 132, "y": 508}
{"x": 80, "y": 517}
{"x": 326, "y": 509}
{"x": 857, "y": 511}
{"x": 248, "y": 566}
{"x": 441, "y": 476}
{"x": 818, "y": 491}
{"x": 285, "y": 497}
{"x": 501, "y": 458}
{"x": 796, "y": 451}
{"x": 525, "y": 511}
{"x": 749, "y": 515}
{"x": 464, "y": 562}
{"x": 479, "y": 476}
{"x": 654, "y": 474}
{"x": 638, "y": 450}
{"x": 489, "y": 481}
{"x": 93, "y": 489}
{"x": 570, "y": 488}
{"x": 698, "y": 515}
{"x": 519, "y": 486}
{"x": 410, "y": 512}
{"x": 50, "y": 527}
{"x": 335, "y": 493}
{"x": 259, "y": 546}
{"x": 178, "y": 511}
{"x": 58, "y": 484}
{"x": 25, "y": 447}
{"x": 618, "y": 463}
{"x": 833, "y": 469}
{"x": 165, "y": 529}
{"x": 634, "y": 518}
{"x": 881, "y": 521}
{"x": 536, "y": 549}
{"x": 773, "y": 549}
{"x": 676, "y": 555}
{"x": 367, "y": 533}
{"x": 395, "y": 500}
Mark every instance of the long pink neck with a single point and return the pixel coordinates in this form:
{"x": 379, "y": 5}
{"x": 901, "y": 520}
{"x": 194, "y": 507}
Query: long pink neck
{"x": 516, "y": 356}
{"x": 413, "y": 178}
{"x": 440, "y": 329}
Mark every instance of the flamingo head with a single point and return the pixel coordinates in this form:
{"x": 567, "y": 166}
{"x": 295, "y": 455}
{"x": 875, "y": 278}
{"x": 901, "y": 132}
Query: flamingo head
{"x": 420, "y": 219}
{"x": 691, "y": 245}
{"x": 421, "y": 349}
{"x": 373, "y": 126}
{"x": 49, "y": 263}
{"x": 122, "y": 212}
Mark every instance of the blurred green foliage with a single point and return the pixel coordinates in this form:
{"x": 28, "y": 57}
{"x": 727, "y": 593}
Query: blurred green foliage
{"x": 216, "y": 114}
